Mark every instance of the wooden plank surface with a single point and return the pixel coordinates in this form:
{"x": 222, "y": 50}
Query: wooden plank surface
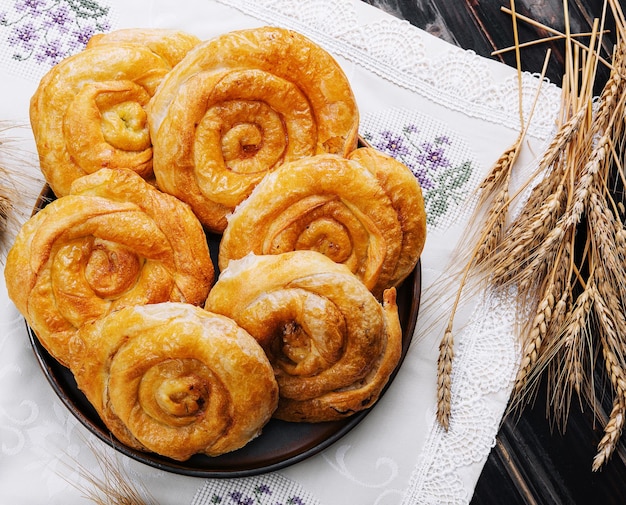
{"x": 532, "y": 463}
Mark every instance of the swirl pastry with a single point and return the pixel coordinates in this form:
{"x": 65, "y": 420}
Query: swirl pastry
{"x": 405, "y": 193}
{"x": 89, "y": 111}
{"x": 335, "y": 206}
{"x": 241, "y": 104}
{"x": 174, "y": 379}
{"x": 114, "y": 241}
{"x": 332, "y": 345}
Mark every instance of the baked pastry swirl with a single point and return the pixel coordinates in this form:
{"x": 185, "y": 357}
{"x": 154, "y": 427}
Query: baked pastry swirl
{"x": 371, "y": 221}
{"x": 89, "y": 111}
{"x": 174, "y": 379}
{"x": 114, "y": 241}
{"x": 238, "y": 106}
{"x": 331, "y": 343}
{"x": 405, "y": 193}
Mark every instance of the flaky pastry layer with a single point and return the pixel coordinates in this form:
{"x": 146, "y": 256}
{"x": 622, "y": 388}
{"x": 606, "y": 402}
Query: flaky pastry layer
{"x": 89, "y": 110}
{"x": 114, "y": 241}
{"x": 331, "y": 343}
{"x": 238, "y": 106}
{"x": 175, "y": 379}
{"x": 371, "y": 219}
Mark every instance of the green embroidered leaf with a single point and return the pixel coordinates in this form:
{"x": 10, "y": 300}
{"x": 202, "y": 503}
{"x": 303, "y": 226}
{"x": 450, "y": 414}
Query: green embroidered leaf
{"x": 87, "y": 9}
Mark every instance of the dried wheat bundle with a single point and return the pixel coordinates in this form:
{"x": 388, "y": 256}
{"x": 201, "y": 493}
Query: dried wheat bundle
{"x": 492, "y": 205}
{"x": 16, "y": 166}
{"x": 565, "y": 253}
{"x": 7, "y": 192}
{"x": 109, "y": 483}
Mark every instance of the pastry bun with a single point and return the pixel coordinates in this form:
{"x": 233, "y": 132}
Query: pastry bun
{"x": 368, "y": 216}
{"x": 333, "y": 346}
{"x": 174, "y": 379}
{"x": 114, "y": 241}
{"x": 89, "y": 110}
{"x": 240, "y": 105}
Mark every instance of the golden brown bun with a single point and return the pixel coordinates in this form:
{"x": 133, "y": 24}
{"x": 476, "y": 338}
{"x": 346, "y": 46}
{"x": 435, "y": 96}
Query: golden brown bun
{"x": 88, "y": 111}
{"x": 332, "y": 345}
{"x": 114, "y": 241}
{"x": 402, "y": 187}
{"x": 175, "y": 379}
{"x": 241, "y": 104}
{"x": 335, "y": 206}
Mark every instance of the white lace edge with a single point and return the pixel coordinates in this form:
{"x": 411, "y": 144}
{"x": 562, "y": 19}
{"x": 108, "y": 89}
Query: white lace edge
{"x": 477, "y": 379}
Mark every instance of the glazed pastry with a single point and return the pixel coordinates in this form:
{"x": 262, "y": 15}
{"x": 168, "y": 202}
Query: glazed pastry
{"x": 334, "y": 206}
{"x": 89, "y": 111}
{"x": 114, "y": 241}
{"x": 332, "y": 345}
{"x": 405, "y": 193}
{"x": 175, "y": 379}
{"x": 238, "y": 106}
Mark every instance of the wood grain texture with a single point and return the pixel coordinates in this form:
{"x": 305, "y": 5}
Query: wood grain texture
{"x": 532, "y": 462}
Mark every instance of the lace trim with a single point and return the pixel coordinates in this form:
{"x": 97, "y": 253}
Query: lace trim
{"x": 397, "y": 51}
{"x": 474, "y": 420}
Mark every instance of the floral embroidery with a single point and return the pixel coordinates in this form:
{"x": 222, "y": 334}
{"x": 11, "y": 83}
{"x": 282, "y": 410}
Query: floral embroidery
{"x": 430, "y": 158}
{"x": 262, "y": 494}
{"x": 47, "y": 31}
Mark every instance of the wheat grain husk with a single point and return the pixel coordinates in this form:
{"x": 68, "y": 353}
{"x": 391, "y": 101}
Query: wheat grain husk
{"x": 565, "y": 253}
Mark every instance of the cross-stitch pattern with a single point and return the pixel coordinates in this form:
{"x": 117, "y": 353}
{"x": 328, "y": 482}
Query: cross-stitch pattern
{"x": 270, "y": 489}
{"x": 40, "y": 33}
{"x": 441, "y": 161}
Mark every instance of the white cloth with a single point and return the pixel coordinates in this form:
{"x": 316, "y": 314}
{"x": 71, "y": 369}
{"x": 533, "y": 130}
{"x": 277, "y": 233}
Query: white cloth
{"x": 448, "y": 114}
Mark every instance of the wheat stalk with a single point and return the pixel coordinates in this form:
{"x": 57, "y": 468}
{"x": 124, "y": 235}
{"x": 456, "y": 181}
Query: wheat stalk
{"x": 565, "y": 253}
{"x": 7, "y": 193}
{"x": 494, "y": 197}
{"x": 612, "y": 434}
{"x": 109, "y": 484}
{"x": 16, "y": 181}
{"x": 566, "y": 347}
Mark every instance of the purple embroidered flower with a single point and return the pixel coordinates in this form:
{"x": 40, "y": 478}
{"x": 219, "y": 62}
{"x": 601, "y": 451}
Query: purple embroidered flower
{"x": 422, "y": 177}
{"x": 35, "y": 7}
{"x": 239, "y": 499}
{"x": 50, "y": 52}
{"x": 393, "y": 144}
{"x": 263, "y": 489}
{"x": 58, "y": 18}
{"x": 433, "y": 157}
{"x": 24, "y": 37}
{"x": 295, "y": 500}
{"x": 47, "y": 31}
{"x": 81, "y": 37}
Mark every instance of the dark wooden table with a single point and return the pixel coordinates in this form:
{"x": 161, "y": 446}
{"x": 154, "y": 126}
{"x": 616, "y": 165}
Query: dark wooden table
{"x": 532, "y": 463}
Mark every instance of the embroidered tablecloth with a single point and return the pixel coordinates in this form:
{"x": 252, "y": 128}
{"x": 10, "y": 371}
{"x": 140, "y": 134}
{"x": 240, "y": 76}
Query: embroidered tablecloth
{"x": 446, "y": 113}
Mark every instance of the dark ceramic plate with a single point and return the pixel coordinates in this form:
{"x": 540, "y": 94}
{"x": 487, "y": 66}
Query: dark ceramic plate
{"x": 280, "y": 444}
